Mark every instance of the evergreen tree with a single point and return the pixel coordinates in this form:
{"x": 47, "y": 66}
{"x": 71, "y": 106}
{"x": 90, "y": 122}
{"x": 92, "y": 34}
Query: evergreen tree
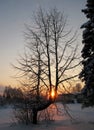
{"x": 87, "y": 74}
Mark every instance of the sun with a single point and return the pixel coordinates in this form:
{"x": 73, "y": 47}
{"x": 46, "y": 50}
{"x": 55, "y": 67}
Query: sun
{"x": 53, "y": 93}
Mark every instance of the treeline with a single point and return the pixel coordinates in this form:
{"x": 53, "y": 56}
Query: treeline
{"x": 11, "y": 96}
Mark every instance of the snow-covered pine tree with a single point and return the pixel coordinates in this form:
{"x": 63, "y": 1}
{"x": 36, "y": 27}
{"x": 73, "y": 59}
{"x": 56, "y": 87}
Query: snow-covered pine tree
{"x": 87, "y": 74}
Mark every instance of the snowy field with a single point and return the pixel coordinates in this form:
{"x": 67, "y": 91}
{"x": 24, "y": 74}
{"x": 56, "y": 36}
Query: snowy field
{"x": 83, "y": 119}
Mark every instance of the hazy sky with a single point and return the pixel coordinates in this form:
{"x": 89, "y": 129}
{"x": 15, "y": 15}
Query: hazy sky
{"x": 14, "y": 14}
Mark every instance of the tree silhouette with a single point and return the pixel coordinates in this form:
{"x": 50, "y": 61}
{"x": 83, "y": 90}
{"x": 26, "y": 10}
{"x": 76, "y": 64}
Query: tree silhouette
{"x": 50, "y": 60}
{"x": 87, "y": 74}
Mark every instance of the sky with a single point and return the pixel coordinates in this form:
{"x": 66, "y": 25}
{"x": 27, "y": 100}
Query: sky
{"x": 14, "y": 14}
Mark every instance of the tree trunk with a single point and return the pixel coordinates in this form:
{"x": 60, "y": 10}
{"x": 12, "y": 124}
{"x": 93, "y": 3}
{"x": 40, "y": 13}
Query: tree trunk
{"x": 34, "y": 118}
{"x": 40, "y": 108}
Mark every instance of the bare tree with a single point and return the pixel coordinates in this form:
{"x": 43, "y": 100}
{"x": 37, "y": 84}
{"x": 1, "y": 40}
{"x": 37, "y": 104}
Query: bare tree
{"x": 51, "y": 59}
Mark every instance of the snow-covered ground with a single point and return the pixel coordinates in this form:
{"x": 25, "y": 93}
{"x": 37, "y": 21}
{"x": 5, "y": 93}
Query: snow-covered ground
{"x": 83, "y": 119}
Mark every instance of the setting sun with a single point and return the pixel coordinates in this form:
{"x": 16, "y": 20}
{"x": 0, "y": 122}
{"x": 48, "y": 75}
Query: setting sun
{"x": 52, "y": 93}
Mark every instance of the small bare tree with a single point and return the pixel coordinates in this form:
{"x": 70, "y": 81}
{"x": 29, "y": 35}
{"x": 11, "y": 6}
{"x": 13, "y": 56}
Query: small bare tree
{"x": 50, "y": 61}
